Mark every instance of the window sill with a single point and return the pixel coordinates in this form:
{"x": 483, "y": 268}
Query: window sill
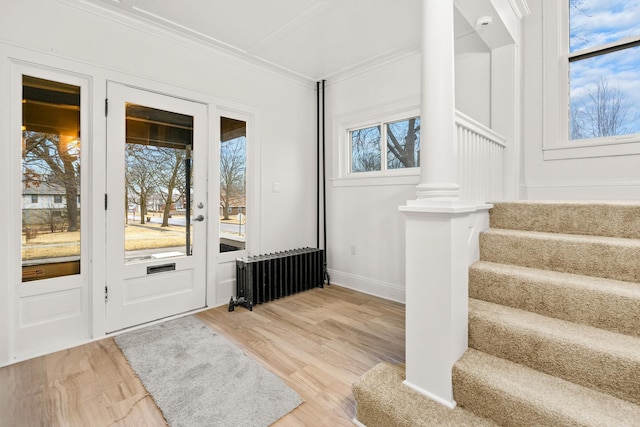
{"x": 400, "y": 177}
{"x": 602, "y": 147}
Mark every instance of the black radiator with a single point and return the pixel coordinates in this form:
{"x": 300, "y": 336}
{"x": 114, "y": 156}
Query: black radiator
{"x": 263, "y": 278}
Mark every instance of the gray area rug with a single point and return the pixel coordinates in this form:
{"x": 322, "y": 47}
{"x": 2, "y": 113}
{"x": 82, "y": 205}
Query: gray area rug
{"x": 199, "y": 378}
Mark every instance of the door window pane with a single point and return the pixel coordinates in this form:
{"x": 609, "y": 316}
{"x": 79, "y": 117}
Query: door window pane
{"x": 233, "y": 184}
{"x": 50, "y": 172}
{"x": 158, "y": 189}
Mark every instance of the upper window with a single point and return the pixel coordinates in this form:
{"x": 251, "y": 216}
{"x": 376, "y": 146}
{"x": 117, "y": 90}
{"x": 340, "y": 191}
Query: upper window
{"x": 604, "y": 68}
{"x": 385, "y": 146}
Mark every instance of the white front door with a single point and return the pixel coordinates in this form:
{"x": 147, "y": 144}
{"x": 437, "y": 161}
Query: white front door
{"x": 156, "y": 206}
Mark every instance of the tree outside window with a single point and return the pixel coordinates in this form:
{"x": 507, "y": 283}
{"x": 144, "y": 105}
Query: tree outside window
{"x": 385, "y": 146}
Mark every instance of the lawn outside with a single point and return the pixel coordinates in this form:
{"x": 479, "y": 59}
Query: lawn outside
{"x": 137, "y": 236}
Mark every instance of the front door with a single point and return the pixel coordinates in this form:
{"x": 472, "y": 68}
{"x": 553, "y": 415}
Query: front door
{"x": 156, "y": 206}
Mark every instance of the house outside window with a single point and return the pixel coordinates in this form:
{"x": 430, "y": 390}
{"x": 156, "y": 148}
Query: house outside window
{"x": 57, "y": 198}
{"x": 34, "y": 198}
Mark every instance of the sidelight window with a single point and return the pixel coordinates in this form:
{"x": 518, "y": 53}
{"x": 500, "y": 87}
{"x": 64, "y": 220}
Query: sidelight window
{"x": 233, "y": 184}
{"x": 51, "y": 147}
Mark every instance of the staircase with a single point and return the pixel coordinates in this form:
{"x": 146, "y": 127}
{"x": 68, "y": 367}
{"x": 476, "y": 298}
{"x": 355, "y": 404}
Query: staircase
{"x": 554, "y": 320}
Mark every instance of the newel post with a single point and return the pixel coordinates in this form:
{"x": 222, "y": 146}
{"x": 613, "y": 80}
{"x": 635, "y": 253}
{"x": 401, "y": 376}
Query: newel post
{"x": 438, "y": 224}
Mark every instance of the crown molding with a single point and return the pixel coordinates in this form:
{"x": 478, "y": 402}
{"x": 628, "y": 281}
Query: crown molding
{"x": 189, "y": 39}
{"x": 520, "y": 8}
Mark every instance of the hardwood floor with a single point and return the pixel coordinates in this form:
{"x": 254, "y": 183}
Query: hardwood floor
{"x": 319, "y": 342}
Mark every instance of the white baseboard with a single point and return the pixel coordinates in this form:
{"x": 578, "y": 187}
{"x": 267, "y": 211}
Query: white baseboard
{"x": 369, "y": 286}
{"x": 581, "y": 190}
{"x": 430, "y": 395}
{"x": 358, "y": 423}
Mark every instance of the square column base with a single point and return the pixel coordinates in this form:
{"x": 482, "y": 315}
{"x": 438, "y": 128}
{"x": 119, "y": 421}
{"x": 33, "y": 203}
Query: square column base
{"x": 441, "y": 243}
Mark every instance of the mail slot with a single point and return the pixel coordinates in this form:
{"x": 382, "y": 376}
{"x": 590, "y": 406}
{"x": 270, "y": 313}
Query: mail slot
{"x": 160, "y": 268}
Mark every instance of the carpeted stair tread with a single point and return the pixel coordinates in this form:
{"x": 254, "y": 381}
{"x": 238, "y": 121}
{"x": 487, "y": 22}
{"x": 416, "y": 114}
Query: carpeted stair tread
{"x": 382, "y": 400}
{"x": 606, "y": 257}
{"x": 515, "y": 395}
{"x": 603, "y": 303}
{"x": 614, "y": 219}
{"x": 603, "y": 360}
{"x": 554, "y": 324}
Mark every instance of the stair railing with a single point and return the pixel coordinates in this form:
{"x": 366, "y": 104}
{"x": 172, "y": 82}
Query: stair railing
{"x": 480, "y": 161}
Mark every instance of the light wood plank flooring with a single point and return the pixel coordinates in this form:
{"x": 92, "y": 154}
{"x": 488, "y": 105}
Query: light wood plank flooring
{"x": 319, "y": 342}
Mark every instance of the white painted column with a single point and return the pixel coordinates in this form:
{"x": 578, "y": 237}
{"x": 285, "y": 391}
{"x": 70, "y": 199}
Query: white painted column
{"x": 437, "y": 152}
{"x": 440, "y": 228}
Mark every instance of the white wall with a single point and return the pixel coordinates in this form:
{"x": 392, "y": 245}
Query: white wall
{"x": 56, "y": 34}
{"x": 473, "y": 74}
{"x": 364, "y": 218}
{"x": 598, "y": 178}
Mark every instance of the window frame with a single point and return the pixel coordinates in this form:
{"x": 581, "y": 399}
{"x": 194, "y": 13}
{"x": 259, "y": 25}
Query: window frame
{"x": 377, "y": 116}
{"x": 556, "y": 58}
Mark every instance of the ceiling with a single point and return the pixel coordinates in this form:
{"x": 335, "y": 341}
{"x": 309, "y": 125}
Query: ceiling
{"x": 312, "y": 39}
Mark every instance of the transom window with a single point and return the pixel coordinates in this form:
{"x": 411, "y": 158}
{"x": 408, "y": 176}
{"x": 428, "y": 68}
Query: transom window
{"x": 604, "y": 68}
{"x": 385, "y": 146}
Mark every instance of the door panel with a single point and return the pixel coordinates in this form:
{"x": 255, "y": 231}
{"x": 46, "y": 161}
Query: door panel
{"x": 156, "y": 215}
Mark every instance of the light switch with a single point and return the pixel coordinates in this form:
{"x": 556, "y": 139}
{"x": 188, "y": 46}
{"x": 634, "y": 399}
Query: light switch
{"x": 276, "y": 187}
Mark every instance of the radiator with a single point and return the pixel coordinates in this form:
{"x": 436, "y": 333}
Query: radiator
{"x": 263, "y": 278}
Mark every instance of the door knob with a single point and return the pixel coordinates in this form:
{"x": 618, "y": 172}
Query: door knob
{"x": 199, "y": 218}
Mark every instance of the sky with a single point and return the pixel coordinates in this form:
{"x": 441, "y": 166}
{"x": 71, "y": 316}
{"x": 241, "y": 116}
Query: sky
{"x": 598, "y": 22}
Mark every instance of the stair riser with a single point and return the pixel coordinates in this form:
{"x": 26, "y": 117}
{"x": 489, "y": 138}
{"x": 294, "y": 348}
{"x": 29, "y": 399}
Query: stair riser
{"x": 576, "y": 362}
{"x": 597, "y": 259}
{"x": 482, "y": 399}
{"x": 617, "y": 220}
{"x": 558, "y": 300}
